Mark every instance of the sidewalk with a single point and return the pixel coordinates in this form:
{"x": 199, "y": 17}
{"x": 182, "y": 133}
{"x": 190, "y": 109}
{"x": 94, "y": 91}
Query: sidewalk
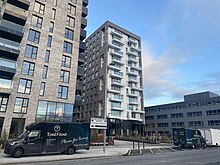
{"x": 120, "y": 148}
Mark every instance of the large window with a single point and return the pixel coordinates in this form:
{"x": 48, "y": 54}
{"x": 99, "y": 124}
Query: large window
{"x": 71, "y": 9}
{"x": 51, "y": 27}
{"x": 47, "y": 56}
{"x": 24, "y": 86}
{"x": 31, "y": 51}
{"x": 69, "y": 33}
{"x": 54, "y": 111}
{"x": 70, "y": 21}
{"x": 62, "y": 92}
{"x": 66, "y": 61}
{"x": 67, "y": 47}
{"x": 64, "y": 76}
{"x": 53, "y": 13}
{"x": 21, "y": 105}
{"x": 1, "y": 124}
{"x": 3, "y": 103}
{"x": 39, "y": 7}
{"x": 34, "y": 36}
{"x": 44, "y": 75}
{"x": 49, "y": 41}
{"x": 195, "y": 123}
{"x": 36, "y": 21}
{"x": 28, "y": 68}
{"x": 42, "y": 88}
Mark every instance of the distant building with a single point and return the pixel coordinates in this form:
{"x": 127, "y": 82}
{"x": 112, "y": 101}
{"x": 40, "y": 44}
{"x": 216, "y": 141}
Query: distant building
{"x": 41, "y": 59}
{"x": 113, "y": 79}
{"x": 199, "y": 110}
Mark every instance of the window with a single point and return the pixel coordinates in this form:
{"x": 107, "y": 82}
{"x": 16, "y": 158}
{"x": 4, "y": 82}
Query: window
{"x": 51, "y": 27}
{"x": 71, "y": 9}
{"x": 213, "y": 122}
{"x": 194, "y": 114}
{"x": 178, "y": 124}
{"x": 44, "y": 75}
{"x": 28, "y": 68}
{"x": 38, "y": 7}
{"x": 149, "y": 118}
{"x": 42, "y": 88}
{"x": 3, "y": 103}
{"x": 49, "y": 41}
{"x": 53, "y": 13}
{"x": 69, "y": 34}
{"x": 176, "y": 115}
{"x": 24, "y": 86}
{"x": 7, "y": 84}
{"x": 213, "y": 112}
{"x": 195, "y": 123}
{"x": 67, "y": 47}
{"x": 47, "y": 56}
{"x": 70, "y": 21}
{"x": 54, "y": 111}
{"x": 21, "y": 105}
{"x": 162, "y": 124}
{"x": 36, "y": 21}
{"x": 64, "y": 76}
{"x": 73, "y": 1}
{"x": 31, "y": 51}
{"x": 66, "y": 61}
{"x": 34, "y": 36}
{"x": 55, "y": 2}
{"x": 162, "y": 116}
{"x": 1, "y": 124}
{"x": 62, "y": 92}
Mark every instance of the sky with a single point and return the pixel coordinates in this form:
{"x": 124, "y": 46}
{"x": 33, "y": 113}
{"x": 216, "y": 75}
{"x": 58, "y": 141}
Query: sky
{"x": 180, "y": 42}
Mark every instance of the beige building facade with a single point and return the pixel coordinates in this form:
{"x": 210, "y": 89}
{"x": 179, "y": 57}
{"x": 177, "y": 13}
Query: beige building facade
{"x": 45, "y": 61}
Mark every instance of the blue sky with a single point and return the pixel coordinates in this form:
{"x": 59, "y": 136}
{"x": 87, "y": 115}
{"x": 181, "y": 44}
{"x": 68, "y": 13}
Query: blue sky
{"x": 180, "y": 43}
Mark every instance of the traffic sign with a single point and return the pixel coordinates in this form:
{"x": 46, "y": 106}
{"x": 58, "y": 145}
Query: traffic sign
{"x": 98, "y": 123}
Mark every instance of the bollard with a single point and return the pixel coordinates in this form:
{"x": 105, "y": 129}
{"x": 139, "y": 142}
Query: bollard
{"x": 133, "y": 144}
{"x": 143, "y": 145}
{"x": 138, "y": 145}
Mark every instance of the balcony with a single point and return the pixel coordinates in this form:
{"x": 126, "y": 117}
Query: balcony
{"x": 133, "y": 102}
{"x": 133, "y": 59}
{"x": 117, "y": 32}
{"x": 135, "y": 48}
{"x": 83, "y": 23}
{"x": 132, "y": 80}
{"x": 117, "y": 74}
{"x": 82, "y": 46}
{"x": 79, "y": 85}
{"x": 78, "y": 100}
{"x": 117, "y": 39}
{"x": 24, "y": 4}
{"x": 137, "y": 67}
{"x": 115, "y": 45}
{"x": 80, "y": 71}
{"x": 132, "y": 40}
{"x": 81, "y": 57}
{"x": 15, "y": 14}
{"x": 114, "y": 91}
{"x": 12, "y": 27}
{"x": 131, "y": 72}
{"x": 117, "y": 60}
{"x": 137, "y": 88}
{"x": 10, "y": 34}
{"x": 116, "y": 98}
{"x": 85, "y": 3}
{"x": 82, "y": 34}
{"x": 84, "y": 11}
{"x": 116, "y": 52}
{"x": 132, "y": 94}
{"x": 117, "y": 108}
{"x": 131, "y": 52}
{"x": 15, "y": 46}
{"x": 117, "y": 84}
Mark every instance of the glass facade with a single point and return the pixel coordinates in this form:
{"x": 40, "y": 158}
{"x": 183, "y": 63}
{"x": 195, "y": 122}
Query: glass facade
{"x": 54, "y": 111}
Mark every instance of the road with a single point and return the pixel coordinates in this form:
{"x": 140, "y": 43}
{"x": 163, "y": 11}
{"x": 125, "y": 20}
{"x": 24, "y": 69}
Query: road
{"x": 209, "y": 156}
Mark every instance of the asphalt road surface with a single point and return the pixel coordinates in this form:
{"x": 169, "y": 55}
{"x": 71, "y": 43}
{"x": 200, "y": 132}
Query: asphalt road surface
{"x": 209, "y": 156}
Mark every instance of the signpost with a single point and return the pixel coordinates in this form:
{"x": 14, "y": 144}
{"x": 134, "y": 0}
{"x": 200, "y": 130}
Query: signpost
{"x": 99, "y": 123}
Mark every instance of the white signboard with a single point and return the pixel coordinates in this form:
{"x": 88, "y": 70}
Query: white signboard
{"x": 98, "y": 123}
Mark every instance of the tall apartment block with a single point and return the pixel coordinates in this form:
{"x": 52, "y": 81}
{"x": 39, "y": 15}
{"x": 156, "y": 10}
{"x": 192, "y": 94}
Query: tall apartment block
{"x": 41, "y": 58}
{"x": 113, "y": 80}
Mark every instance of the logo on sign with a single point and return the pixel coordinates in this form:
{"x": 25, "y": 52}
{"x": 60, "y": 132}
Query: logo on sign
{"x": 57, "y": 128}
